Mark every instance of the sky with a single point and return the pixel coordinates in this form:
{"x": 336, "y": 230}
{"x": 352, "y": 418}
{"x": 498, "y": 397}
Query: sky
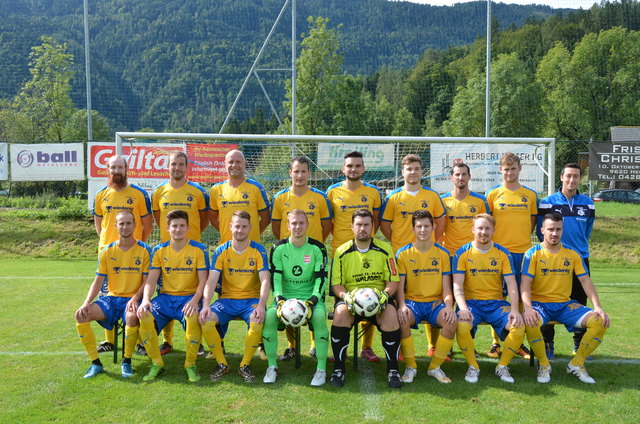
{"x": 574, "y": 4}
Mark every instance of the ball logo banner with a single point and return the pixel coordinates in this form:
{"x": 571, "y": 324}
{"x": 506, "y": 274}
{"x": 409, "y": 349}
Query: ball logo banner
{"x": 47, "y": 162}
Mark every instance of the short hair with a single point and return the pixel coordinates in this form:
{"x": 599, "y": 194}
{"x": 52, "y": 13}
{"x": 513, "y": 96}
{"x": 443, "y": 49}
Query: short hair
{"x": 179, "y": 154}
{"x": 177, "y": 214}
{"x": 410, "y": 158}
{"x": 126, "y": 212}
{"x": 242, "y": 214}
{"x": 486, "y": 216}
{"x": 300, "y": 159}
{"x": 294, "y": 212}
{"x": 421, "y": 214}
{"x": 354, "y": 154}
{"x": 361, "y": 213}
{"x": 509, "y": 158}
{"x": 571, "y": 165}
{"x": 459, "y": 165}
{"x": 552, "y": 216}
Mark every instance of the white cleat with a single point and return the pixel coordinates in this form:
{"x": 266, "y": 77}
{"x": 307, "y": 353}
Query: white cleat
{"x": 544, "y": 373}
{"x": 409, "y": 374}
{"x": 319, "y": 378}
{"x": 439, "y": 375}
{"x": 580, "y": 372}
{"x": 271, "y": 375}
{"x": 472, "y": 375}
{"x": 503, "y": 373}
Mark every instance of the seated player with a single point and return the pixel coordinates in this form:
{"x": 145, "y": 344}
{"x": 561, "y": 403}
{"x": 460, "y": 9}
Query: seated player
{"x": 547, "y": 274}
{"x": 479, "y": 268}
{"x": 122, "y": 265}
{"x": 183, "y": 265}
{"x": 424, "y": 294}
{"x": 299, "y": 265}
{"x": 364, "y": 262}
{"x": 243, "y": 266}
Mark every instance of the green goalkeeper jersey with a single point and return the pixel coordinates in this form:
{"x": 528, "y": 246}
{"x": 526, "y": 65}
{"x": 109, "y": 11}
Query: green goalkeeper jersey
{"x": 299, "y": 272}
{"x": 355, "y": 270}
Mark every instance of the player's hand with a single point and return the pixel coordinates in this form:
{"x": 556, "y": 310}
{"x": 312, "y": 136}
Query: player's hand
{"x": 144, "y": 309}
{"x": 83, "y": 312}
{"x": 190, "y": 308}
{"x": 600, "y": 313}
{"x": 347, "y": 298}
{"x": 204, "y": 315}
{"x": 515, "y": 319}
{"x": 449, "y": 315}
{"x": 404, "y": 314}
{"x": 531, "y": 317}
{"x": 279, "y": 302}
{"x": 132, "y": 305}
{"x": 257, "y": 315}
{"x": 383, "y": 298}
{"x": 311, "y": 304}
{"x": 465, "y": 315}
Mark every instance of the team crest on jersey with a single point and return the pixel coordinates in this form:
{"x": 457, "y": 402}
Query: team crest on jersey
{"x": 245, "y": 195}
{"x": 435, "y": 262}
{"x": 494, "y": 262}
{"x": 545, "y": 271}
{"x": 365, "y": 264}
{"x": 524, "y": 199}
{"x": 567, "y": 261}
{"x": 189, "y": 198}
{"x": 425, "y": 204}
{"x": 138, "y": 260}
{"x": 581, "y": 211}
{"x": 473, "y": 209}
{"x": 252, "y": 261}
{"x": 296, "y": 270}
{"x": 129, "y": 200}
{"x": 189, "y": 260}
{"x": 364, "y": 198}
{"x": 312, "y": 205}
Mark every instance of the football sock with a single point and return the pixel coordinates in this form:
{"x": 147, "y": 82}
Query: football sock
{"x": 291, "y": 337}
{"x": 110, "y": 336}
{"x": 167, "y": 333}
{"x": 320, "y": 335}
{"x": 339, "y": 343}
{"x": 495, "y": 339}
{"x": 590, "y": 341}
{"x": 536, "y": 343}
{"x": 193, "y": 336}
{"x": 251, "y": 342}
{"x": 312, "y": 340}
{"x": 97, "y": 362}
{"x": 512, "y": 344}
{"x": 391, "y": 346}
{"x": 367, "y": 334}
{"x": 442, "y": 350}
{"x": 408, "y": 352}
{"x": 149, "y": 338}
{"x": 466, "y": 344}
{"x": 212, "y": 338}
{"x": 270, "y": 337}
{"x": 88, "y": 339}
{"x": 432, "y": 334}
{"x": 126, "y": 360}
{"x": 130, "y": 340}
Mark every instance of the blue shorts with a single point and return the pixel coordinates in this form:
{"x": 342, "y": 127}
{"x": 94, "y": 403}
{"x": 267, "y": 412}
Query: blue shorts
{"x": 167, "y": 307}
{"x": 493, "y": 312}
{"x": 113, "y": 308}
{"x": 229, "y": 309}
{"x": 568, "y": 313}
{"x": 425, "y": 311}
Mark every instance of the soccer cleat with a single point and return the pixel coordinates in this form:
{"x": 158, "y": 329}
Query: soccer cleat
{"x": 312, "y": 352}
{"x": 394, "y": 379}
{"x": 192, "y": 374}
{"x": 369, "y": 355}
{"x": 504, "y": 374}
{"x": 105, "y": 347}
{"x": 494, "y": 351}
{"x": 431, "y": 351}
{"x": 580, "y": 372}
{"x": 165, "y": 348}
{"x": 271, "y": 375}
{"x": 289, "y": 354}
{"x": 246, "y": 373}
{"x": 261, "y": 352}
{"x": 140, "y": 350}
{"x": 319, "y": 378}
{"x": 220, "y": 371}
{"x": 409, "y": 374}
{"x": 439, "y": 375}
{"x": 154, "y": 371}
{"x": 127, "y": 371}
{"x": 337, "y": 378}
{"x": 524, "y": 352}
{"x": 472, "y": 375}
{"x": 549, "y": 350}
{"x": 544, "y": 373}
{"x": 201, "y": 350}
{"x": 93, "y": 371}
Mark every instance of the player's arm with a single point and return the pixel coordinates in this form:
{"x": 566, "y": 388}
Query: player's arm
{"x": 214, "y": 219}
{"x": 97, "y": 222}
{"x": 385, "y": 228}
{"x": 592, "y": 294}
{"x": 147, "y": 292}
{"x": 403, "y": 310}
{"x": 320, "y": 269}
{"x": 94, "y": 289}
{"x": 534, "y": 220}
{"x": 441, "y": 224}
{"x": 207, "y": 294}
{"x": 275, "y": 228}
{"x": 530, "y": 315}
{"x": 276, "y": 269}
{"x": 192, "y": 306}
{"x": 265, "y": 219}
{"x": 132, "y": 304}
{"x": 327, "y": 226}
{"x": 265, "y": 287}
{"x": 156, "y": 217}
{"x": 458, "y": 293}
{"x": 376, "y": 220}
{"x": 147, "y": 226}
{"x": 447, "y": 296}
{"x": 204, "y": 220}
{"x": 515, "y": 319}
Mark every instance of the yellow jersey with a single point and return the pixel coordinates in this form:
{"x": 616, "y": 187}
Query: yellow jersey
{"x": 483, "y": 271}
{"x": 313, "y": 202}
{"x": 191, "y": 198}
{"x": 354, "y": 269}
{"x": 239, "y": 271}
{"x": 180, "y": 269}
{"x": 513, "y": 211}
{"x": 423, "y": 271}
{"x": 124, "y": 271}
{"x": 460, "y": 215}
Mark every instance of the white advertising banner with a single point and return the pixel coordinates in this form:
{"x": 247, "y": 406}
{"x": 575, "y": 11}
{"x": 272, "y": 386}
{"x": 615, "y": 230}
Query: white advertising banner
{"x": 484, "y": 161}
{"x": 377, "y": 157}
{"x": 47, "y": 162}
{"x": 4, "y": 162}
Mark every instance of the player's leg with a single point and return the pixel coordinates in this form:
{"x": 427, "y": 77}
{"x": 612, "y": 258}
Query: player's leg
{"x": 406, "y": 342}
{"x": 321, "y": 338}
{"x": 390, "y": 330}
{"x": 432, "y": 333}
{"x": 167, "y": 338}
{"x": 583, "y": 317}
{"x": 466, "y": 343}
{"x": 252, "y": 340}
{"x": 149, "y": 335}
{"x": 367, "y": 352}
{"x": 578, "y": 294}
{"x": 340, "y": 334}
{"x": 219, "y": 319}
{"x": 131, "y": 334}
{"x": 270, "y": 343}
{"x": 193, "y": 336}
{"x": 88, "y": 338}
{"x": 290, "y": 352}
{"x": 444, "y": 343}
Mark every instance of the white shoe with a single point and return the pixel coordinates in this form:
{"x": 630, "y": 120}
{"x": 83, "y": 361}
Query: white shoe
{"x": 472, "y": 375}
{"x": 503, "y": 373}
{"x": 544, "y": 373}
{"x": 409, "y": 374}
{"x": 580, "y": 372}
{"x": 271, "y": 375}
{"x": 439, "y": 375}
{"x": 319, "y": 378}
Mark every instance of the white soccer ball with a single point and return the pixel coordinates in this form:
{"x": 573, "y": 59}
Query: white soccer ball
{"x": 294, "y": 313}
{"x": 366, "y": 302}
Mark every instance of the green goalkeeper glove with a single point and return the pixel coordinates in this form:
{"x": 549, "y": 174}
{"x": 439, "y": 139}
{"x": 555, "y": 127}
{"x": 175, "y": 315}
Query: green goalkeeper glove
{"x": 383, "y": 299}
{"x": 348, "y": 300}
{"x": 279, "y": 302}
{"x": 311, "y": 303}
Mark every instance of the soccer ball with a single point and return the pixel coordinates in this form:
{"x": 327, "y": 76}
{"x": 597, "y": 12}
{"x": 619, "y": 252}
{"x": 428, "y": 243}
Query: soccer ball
{"x": 294, "y": 313}
{"x": 366, "y": 302}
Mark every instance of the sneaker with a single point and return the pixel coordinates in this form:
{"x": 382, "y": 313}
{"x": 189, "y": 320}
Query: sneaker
{"x": 524, "y": 352}
{"x": 289, "y": 354}
{"x": 220, "y": 371}
{"x": 549, "y": 350}
{"x": 246, "y": 373}
{"x": 271, "y": 375}
{"x": 503, "y": 373}
{"x": 105, "y": 347}
{"x": 154, "y": 371}
{"x": 439, "y": 375}
{"x": 261, "y": 353}
{"x": 312, "y": 353}
{"x": 141, "y": 350}
{"x": 409, "y": 374}
{"x": 93, "y": 371}
{"x": 165, "y": 348}
{"x": 494, "y": 351}
{"x": 580, "y": 372}
{"x": 319, "y": 378}
{"x": 192, "y": 374}
{"x": 431, "y": 352}
{"x": 201, "y": 350}
{"x": 394, "y": 379}
{"x": 337, "y": 378}
{"x": 472, "y": 375}
{"x": 369, "y": 355}
{"x": 544, "y": 373}
{"x": 127, "y": 371}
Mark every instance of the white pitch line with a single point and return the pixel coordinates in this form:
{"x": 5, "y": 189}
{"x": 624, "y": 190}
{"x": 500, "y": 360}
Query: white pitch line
{"x": 3, "y": 277}
{"x": 371, "y": 399}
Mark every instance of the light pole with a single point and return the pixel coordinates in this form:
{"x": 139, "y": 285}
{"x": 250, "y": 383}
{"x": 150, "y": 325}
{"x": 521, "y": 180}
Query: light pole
{"x": 487, "y": 116}
{"x": 87, "y": 66}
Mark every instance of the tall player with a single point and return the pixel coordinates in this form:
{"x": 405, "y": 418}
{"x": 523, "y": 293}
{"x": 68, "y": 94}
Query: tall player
{"x": 547, "y": 273}
{"x": 183, "y": 265}
{"x": 123, "y": 264}
{"x": 179, "y": 193}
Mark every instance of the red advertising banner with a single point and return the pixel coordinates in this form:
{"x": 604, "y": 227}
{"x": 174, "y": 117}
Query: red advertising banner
{"x": 206, "y": 161}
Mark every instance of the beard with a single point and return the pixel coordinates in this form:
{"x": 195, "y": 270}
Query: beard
{"x": 117, "y": 181}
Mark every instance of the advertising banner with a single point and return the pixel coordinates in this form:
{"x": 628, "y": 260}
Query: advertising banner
{"x": 4, "y": 161}
{"x": 377, "y": 157}
{"x": 614, "y": 161}
{"x": 47, "y": 162}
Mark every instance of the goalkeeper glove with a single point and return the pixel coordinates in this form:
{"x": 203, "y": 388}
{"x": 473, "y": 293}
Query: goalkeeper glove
{"x": 348, "y": 300}
{"x": 383, "y": 299}
{"x": 279, "y": 302}
{"x": 311, "y": 303}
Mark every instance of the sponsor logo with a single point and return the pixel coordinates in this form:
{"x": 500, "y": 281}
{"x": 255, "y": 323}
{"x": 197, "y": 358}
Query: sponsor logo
{"x": 26, "y": 158}
{"x": 306, "y": 259}
{"x": 296, "y": 270}
{"x": 392, "y": 265}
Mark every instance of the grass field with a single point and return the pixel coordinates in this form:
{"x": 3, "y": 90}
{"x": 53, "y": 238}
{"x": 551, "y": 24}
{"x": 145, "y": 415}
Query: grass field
{"x": 42, "y": 362}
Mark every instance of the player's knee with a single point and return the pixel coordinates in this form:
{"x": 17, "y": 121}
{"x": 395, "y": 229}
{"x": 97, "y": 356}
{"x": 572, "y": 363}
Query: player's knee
{"x": 131, "y": 319}
{"x": 342, "y": 317}
{"x": 463, "y": 327}
{"x": 517, "y": 331}
{"x": 595, "y": 322}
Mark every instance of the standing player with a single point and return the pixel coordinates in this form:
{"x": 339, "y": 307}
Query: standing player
{"x": 346, "y": 197}
{"x": 364, "y": 262}
{"x": 425, "y": 294}
{"x": 182, "y": 264}
{"x": 242, "y": 265}
{"x": 515, "y": 208}
{"x": 547, "y": 271}
{"x": 123, "y": 265}
{"x": 578, "y": 213}
{"x": 479, "y": 268}
{"x": 299, "y": 265}
{"x": 179, "y": 193}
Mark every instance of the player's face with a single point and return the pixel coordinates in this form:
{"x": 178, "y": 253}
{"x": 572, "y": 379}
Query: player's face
{"x": 240, "y": 228}
{"x": 423, "y": 229}
{"x": 460, "y": 177}
{"x": 178, "y": 229}
{"x": 297, "y": 225}
{"x": 570, "y": 179}
{"x": 235, "y": 164}
{"x": 482, "y": 231}
{"x": 510, "y": 172}
{"x": 552, "y": 231}
{"x": 412, "y": 173}
{"x": 362, "y": 227}
{"x": 117, "y": 171}
{"x": 177, "y": 168}
{"x": 299, "y": 174}
{"x": 353, "y": 169}
{"x": 125, "y": 224}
